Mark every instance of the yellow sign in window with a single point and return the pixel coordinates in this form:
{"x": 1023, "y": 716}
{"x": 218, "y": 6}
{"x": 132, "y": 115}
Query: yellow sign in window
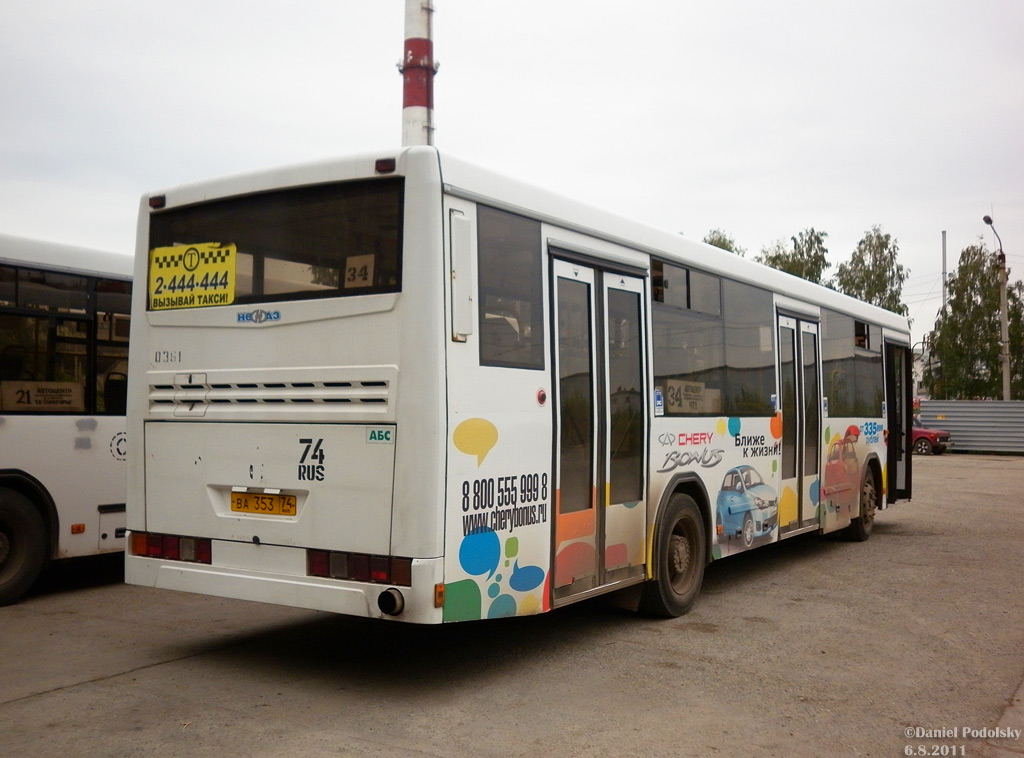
{"x": 191, "y": 276}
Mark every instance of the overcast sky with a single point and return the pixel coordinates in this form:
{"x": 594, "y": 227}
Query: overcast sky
{"x": 758, "y": 118}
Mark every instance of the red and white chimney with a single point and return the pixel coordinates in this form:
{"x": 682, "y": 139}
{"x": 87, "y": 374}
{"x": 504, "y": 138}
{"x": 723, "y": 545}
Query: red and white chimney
{"x": 418, "y": 71}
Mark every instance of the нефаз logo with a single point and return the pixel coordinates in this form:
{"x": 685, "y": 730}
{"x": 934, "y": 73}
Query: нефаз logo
{"x": 258, "y": 316}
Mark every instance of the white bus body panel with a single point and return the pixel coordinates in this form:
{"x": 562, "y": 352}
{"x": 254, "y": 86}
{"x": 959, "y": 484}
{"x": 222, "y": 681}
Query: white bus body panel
{"x": 80, "y": 462}
{"x": 342, "y": 503}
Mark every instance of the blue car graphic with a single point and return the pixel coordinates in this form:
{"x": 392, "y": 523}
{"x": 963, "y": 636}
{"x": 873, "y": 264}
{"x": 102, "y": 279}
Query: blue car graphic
{"x": 747, "y": 507}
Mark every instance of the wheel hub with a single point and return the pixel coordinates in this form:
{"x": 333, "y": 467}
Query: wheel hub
{"x": 5, "y": 548}
{"x": 680, "y": 555}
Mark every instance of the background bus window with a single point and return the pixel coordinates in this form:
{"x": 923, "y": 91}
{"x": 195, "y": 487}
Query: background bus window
{"x": 8, "y": 287}
{"x": 63, "y": 343}
{"x": 45, "y": 290}
{"x": 43, "y": 364}
{"x": 511, "y": 306}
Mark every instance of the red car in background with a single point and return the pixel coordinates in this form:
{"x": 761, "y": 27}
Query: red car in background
{"x": 929, "y": 441}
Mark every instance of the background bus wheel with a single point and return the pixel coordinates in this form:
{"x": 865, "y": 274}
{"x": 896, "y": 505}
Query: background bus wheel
{"x": 680, "y": 552}
{"x": 22, "y": 545}
{"x": 860, "y": 528}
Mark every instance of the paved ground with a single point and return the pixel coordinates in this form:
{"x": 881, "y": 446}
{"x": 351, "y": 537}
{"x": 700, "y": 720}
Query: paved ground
{"x": 811, "y": 647}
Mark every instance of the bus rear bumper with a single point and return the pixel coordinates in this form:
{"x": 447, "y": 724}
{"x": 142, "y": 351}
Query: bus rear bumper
{"x": 335, "y": 596}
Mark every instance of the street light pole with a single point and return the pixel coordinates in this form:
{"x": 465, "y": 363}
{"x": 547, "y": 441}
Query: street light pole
{"x": 1004, "y": 322}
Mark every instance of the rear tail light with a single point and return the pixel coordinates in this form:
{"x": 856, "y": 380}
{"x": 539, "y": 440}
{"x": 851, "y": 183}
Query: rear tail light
{"x": 358, "y": 567}
{"x": 318, "y": 563}
{"x": 170, "y": 547}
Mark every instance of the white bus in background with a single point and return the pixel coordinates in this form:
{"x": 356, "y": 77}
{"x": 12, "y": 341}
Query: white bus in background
{"x": 64, "y": 320}
{"x": 399, "y": 386}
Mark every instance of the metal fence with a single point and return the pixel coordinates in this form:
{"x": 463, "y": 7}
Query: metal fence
{"x": 981, "y": 426}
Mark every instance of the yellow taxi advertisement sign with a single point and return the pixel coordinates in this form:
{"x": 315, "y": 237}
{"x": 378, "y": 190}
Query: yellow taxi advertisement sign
{"x": 191, "y": 276}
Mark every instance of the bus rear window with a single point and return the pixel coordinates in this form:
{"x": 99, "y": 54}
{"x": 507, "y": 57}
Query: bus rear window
{"x": 327, "y": 240}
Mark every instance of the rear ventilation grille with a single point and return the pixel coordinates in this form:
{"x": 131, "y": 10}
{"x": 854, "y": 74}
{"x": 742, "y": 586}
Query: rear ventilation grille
{"x": 212, "y": 394}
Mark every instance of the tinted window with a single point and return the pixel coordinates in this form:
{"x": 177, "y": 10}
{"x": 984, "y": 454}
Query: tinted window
{"x": 8, "y": 286}
{"x": 626, "y": 386}
{"x": 715, "y": 356}
{"x": 511, "y": 307}
{"x": 576, "y": 396}
{"x": 64, "y": 348}
{"x": 853, "y": 376}
{"x": 327, "y": 240}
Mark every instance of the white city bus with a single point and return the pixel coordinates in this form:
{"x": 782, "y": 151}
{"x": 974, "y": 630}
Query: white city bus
{"x": 399, "y": 386}
{"x": 64, "y": 319}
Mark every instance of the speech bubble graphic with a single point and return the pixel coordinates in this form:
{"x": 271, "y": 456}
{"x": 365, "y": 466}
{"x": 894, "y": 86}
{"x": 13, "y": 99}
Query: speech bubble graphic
{"x": 475, "y": 436}
{"x": 525, "y": 578}
{"x": 479, "y": 553}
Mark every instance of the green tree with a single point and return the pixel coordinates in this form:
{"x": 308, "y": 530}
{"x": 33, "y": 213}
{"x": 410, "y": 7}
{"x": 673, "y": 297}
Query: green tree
{"x": 965, "y": 344}
{"x": 808, "y": 258}
{"x": 718, "y": 238}
{"x": 873, "y": 273}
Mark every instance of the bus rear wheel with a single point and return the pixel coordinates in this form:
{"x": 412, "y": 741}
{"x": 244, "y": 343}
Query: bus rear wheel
{"x": 22, "y": 545}
{"x": 680, "y": 552}
{"x": 861, "y": 527}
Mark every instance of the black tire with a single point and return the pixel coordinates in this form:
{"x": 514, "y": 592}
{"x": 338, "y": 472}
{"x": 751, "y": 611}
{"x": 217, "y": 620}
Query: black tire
{"x": 680, "y": 553}
{"x": 22, "y": 545}
{"x": 923, "y": 447}
{"x": 861, "y": 527}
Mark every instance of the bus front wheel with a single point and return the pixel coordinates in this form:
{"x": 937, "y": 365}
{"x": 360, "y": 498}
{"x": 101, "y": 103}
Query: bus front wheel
{"x": 22, "y": 545}
{"x": 680, "y": 552}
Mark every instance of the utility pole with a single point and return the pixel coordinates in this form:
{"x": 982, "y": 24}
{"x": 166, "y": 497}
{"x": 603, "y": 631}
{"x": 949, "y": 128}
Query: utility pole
{"x": 418, "y": 69}
{"x": 1004, "y": 316}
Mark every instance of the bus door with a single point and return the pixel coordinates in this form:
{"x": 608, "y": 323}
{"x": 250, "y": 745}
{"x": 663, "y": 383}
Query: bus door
{"x": 800, "y": 403}
{"x": 899, "y": 410}
{"x": 600, "y": 428}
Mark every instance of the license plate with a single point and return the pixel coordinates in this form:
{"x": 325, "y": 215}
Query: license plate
{"x": 263, "y": 505}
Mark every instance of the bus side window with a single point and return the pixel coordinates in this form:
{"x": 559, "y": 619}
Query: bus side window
{"x": 510, "y": 299}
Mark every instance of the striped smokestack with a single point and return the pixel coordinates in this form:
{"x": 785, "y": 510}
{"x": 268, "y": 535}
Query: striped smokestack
{"x": 418, "y": 71}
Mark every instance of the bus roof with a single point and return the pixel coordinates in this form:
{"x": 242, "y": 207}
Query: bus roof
{"x": 462, "y": 177}
{"x": 56, "y": 256}
{"x": 459, "y": 175}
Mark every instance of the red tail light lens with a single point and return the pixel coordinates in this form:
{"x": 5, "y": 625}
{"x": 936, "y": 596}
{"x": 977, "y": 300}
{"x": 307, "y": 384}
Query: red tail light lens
{"x": 318, "y": 563}
{"x": 380, "y": 568}
{"x": 401, "y": 571}
{"x": 170, "y": 547}
{"x": 155, "y": 546}
{"x": 357, "y": 567}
